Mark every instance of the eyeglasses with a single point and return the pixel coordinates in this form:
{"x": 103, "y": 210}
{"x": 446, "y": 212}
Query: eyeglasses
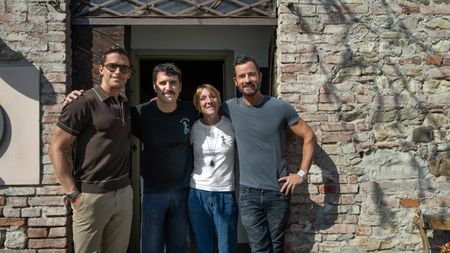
{"x": 124, "y": 69}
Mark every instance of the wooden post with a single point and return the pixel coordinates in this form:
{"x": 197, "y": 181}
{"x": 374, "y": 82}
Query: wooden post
{"x": 418, "y": 221}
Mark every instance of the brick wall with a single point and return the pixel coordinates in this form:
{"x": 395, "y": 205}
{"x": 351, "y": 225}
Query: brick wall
{"x": 373, "y": 79}
{"x": 34, "y": 32}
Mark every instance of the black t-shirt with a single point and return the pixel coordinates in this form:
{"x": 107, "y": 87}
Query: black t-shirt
{"x": 167, "y": 160}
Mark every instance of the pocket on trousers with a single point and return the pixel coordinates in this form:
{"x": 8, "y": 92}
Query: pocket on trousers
{"x": 82, "y": 200}
{"x": 244, "y": 191}
{"x": 282, "y": 196}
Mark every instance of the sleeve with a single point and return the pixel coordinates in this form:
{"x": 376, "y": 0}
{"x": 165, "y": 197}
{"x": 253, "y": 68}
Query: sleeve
{"x": 135, "y": 122}
{"x": 291, "y": 114}
{"x": 75, "y": 116}
{"x": 224, "y": 110}
{"x": 192, "y": 135}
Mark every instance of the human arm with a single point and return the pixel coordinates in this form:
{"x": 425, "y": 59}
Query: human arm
{"x": 135, "y": 113}
{"x": 304, "y": 131}
{"x": 61, "y": 141}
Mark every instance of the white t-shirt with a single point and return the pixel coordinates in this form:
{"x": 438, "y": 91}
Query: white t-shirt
{"x": 213, "y": 156}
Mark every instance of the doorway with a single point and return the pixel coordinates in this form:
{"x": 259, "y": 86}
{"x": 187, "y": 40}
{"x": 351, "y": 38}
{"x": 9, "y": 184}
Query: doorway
{"x": 194, "y": 73}
{"x": 198, "y": 67}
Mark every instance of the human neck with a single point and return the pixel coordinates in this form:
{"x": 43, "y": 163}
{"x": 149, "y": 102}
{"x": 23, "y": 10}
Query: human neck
{"x": 253, "y": 100}
{"x": 211, "y": 119}
{"x": 110, "y": 91}
{"x": 166, "y": 107}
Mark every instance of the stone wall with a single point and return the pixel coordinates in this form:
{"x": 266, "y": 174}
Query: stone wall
{"x": 34, "y": 33}
{"x": 373, "y": 79}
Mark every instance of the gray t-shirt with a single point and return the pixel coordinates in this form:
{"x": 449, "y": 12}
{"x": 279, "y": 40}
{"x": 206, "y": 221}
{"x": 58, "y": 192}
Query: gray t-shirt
{"x": 261, "y": 137}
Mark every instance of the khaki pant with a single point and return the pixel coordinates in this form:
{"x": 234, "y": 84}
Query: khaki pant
{"x": 103, "y": 222}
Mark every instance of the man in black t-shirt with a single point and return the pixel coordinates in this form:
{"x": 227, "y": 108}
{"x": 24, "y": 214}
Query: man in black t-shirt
{"x": 163, "y": 125}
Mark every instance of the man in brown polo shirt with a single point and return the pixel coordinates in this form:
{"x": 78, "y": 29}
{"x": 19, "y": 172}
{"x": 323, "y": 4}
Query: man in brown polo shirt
{"x": 98, "y": 188}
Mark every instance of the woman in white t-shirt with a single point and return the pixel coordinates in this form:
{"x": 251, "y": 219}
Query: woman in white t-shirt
{"x": 212, "y": 202}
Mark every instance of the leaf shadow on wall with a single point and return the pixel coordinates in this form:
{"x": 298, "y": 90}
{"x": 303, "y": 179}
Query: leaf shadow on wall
{"x": 392, "y": 86}
{"x": 314, "y": 206}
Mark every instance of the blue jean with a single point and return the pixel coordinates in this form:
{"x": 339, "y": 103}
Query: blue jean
{"x": 213, "y": 217}
{"x": 264, "y": 215}
{"x": 165, "y": 222}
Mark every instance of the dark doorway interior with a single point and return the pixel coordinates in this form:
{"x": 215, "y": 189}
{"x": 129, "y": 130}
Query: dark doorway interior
{"x": 194, "y": 73}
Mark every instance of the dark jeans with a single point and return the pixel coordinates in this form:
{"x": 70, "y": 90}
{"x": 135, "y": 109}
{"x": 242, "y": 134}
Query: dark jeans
{"x": 213, "y": 217}
{"x": 264, "y": 215}
{"x": 165, "y": 222}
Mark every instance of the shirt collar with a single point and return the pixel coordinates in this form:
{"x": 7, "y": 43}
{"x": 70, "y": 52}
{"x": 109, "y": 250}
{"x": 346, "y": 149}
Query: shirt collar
{"x": 101, "y": 93}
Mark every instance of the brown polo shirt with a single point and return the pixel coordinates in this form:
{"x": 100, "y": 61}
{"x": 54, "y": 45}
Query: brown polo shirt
{"x": 101, "y": 124}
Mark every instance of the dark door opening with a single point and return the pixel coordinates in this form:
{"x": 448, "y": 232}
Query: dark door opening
{"x": 194, "y": 73}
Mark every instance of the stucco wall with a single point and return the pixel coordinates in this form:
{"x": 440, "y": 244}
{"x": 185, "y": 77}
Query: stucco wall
{"x": 205, "y": 38}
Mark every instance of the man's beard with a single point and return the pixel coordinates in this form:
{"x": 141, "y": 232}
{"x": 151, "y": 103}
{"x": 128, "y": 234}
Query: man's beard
{"x": 253, "y": 90}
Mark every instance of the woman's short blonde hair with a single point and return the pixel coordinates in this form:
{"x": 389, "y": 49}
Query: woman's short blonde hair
{"x": 198, "y": 92}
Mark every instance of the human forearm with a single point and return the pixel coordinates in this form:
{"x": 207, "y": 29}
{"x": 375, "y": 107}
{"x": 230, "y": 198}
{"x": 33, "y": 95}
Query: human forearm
{"x": 63, "y": 171}
{"x": 61, "y": 141}
{"x": 309, "y": 145}
{"x": 304, "y": 131}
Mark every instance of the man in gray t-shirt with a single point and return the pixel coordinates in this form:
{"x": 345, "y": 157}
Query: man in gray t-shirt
{"x": 260, "y": 124}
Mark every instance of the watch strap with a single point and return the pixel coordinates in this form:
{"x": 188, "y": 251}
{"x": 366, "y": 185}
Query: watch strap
{"x": 71, "y": 196}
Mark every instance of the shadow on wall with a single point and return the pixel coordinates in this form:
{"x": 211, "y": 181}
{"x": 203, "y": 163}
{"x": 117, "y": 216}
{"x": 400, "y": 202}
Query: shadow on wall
{"x": 383, "y": 70}
{"x": 20, "y": 81}
{"x": 5, "y": 132}
{"x": 312, "y": 212}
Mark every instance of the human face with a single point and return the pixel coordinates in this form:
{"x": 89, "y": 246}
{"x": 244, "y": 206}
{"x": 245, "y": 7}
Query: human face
{"x": 167, "y": 88}
{"x": 209, "y": 103}
{"x": 114, "y": 80}
{"x": 247, "y": 79}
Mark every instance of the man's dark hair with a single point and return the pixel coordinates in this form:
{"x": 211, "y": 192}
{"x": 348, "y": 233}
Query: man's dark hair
{"x": 242, "y": 59}
{"x": 169, "y": 69}
{"x": 114, "y": 49}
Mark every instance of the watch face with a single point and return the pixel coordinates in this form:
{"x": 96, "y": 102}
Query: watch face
{"x": 301, "y": 173}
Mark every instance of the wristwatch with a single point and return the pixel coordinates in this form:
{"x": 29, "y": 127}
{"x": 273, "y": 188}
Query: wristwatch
{"x": 301, "y": 173}
{"x": 71, "y": 196}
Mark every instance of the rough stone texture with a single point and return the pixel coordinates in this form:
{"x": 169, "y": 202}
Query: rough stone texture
{"x": 382, "y": 69}
{"x": 368, "y": 75}
{"x": 15, "y": 239}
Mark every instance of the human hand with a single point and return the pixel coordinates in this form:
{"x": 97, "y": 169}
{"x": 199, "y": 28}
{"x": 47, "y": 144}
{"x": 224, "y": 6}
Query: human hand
{"x": 72, "y": 96}
{"x": 76, "y": 202}
{"x": 290, "y": 182}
